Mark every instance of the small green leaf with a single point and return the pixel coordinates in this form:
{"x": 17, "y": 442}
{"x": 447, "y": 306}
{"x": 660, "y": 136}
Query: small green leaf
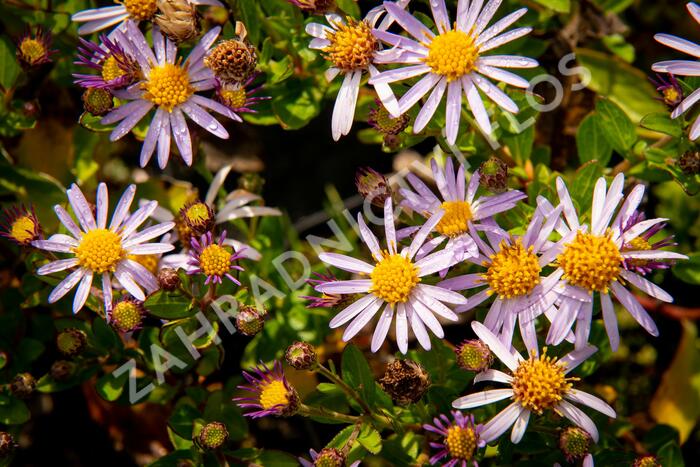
{"x": 168, "y": 305}
{"x": 591, "y": 141}
{"x": 689, "y": 270}
{"x": 663, "y": 123}
{"x": 9, "y": 68}
{"x": 357, "y": 374}
{"x": 586, "y": 177}
{"x": 13, "y": 411}
{"x": 110, "y": 388}
{"x": 616, "y": 125}
{"x": 560, "y": 6}
{"x": 370, "y": 439}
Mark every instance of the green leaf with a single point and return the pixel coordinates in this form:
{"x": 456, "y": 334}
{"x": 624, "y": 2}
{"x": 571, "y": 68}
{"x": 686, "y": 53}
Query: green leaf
{"x": 620, "y": 47}
{"x": 521, "y": 144}
{"x": 560, "y": 6}
{"x": 591, "y": 141}
{"x": 269, "y": 458}
{"x": 616, "y": 125}
{"x": 299, "y": 102}
{"x": 663, "y": 123}
{"x": 582, "y": 190}
{"x": 13, "y": 411}
{"x": 168, "y": 305}
{"x": 357, "y": 374}
{"x": 105, "y": 337}
{"x": 370, "y": 439}
{"x": 350, "y": 7}
{"x": 249, "y": 15}
{"x": 110, "y": 388}
{"x": 9, "y": 68}
{"x": 689, "y": 270}
{"x": 181, "y": 420}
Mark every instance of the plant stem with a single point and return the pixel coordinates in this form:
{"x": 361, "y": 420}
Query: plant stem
{"x": 344, "y": 386}
{"x": 309, "y": 411}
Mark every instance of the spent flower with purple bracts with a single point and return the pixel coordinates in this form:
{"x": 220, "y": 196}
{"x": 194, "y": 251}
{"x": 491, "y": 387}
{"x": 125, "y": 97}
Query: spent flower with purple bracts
{"x": 392, "y": 286}
{"x": 325, "y": 300}
{"x": 34, "y": 49}
{"x": 271, "y": 392}
{"x": 99, "y": 250}
{"x": 460, "y": 440}
{"x": 453, "y": 62}
{"x": 20, "y": 225}
{"x": 460, "y": 204}
{"x": 115, "y": 69}
{"x": 240, "y": 97}
{"x": 127, "y": 11}
{"x": 683, "y": 67}
{"x": 670, "y": 89}
{"x": 213, "y": 259}
{"x": 169, "y": 86}
{"x": 327, "y": 457}
{"x": 591, "y": 258}
{"x": 642, "y": 242}
{"x": 537, "y": 384}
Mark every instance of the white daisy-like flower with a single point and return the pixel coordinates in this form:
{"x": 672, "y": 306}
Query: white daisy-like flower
{"x": 460, "y": 204}
{"x": 537, "y": 384}
{"x": 453, "y": 61}
{"x": 683, "y": 67}
{"x": 352, "y": 49}
{"x": 393, "y": 286}
{"x": 591, "y": 259}
{"x": 97, "y": 19}
{"x": 513, "y": 276}
{"x": 100, "y": 251}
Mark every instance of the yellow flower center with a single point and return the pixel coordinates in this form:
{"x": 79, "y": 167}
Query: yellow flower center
{"x": 352, "y": 45}
{"x": 637, "y": 244}
{"x": 591, "y": 262}
{"x": 23, "y": 229}
{"x": 671, "y": 94}
{"x": 100, "y": 250}
{"x": 111, "y": 69}
{"x": 452, "y": 54}
{"x": 215, "y": 260}
{"x": 149, "y": 262}
{"x": 455, "y": 220}
{"x": 273, "y": 394}
{"x": 460, "y": 442}
{"x": 540, "y": 383}
{"x": 234, "y": 98}
{"x": 32, "y": 50}
{"x": 198, "y": 213}
{"x": 126, "y": 316}
{"x": 393, "y": 278}
{"x": 168, "y": 85}
{"x": 141, "y": 10}
{"x": 513, "y": 271}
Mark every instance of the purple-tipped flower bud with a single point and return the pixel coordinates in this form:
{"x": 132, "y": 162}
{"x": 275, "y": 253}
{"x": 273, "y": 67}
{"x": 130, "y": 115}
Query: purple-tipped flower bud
{"x": 372, "y": 185}
{"x": 168, "y": 279}
{"x": 213, "y": 435}
{"x": 473, "y": 355}
{"x": 301, "y": 356}
{"x": 97, "y": 101}
{"x": 575, "y": 443}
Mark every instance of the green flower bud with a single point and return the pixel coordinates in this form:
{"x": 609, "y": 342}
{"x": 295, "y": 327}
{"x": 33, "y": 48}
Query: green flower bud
{"x": 213, "y": 435}
{"x": 575, "y": 443}
{"x": 97, "y": 101}
{"x": 250, "y": 321}
{"x": 127, "y": 315}
{"x": 473, "y": 355}
{"x": 301, "y": 356}
{"x": 493, "y": 175}
{"x": 71, "y": 341}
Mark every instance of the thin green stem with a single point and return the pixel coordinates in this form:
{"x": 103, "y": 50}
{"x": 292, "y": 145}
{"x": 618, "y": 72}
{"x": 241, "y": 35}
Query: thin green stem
{"x": 344, "y": 386}
{"x": 309, "y": 411}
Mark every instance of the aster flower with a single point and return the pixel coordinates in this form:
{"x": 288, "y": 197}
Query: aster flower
{"x": 683, "y": 67}
{"x": 20, "y": 225}
{"x": 592, "y": 259}
{"x": 575, "y": 443}
{"x": 453, "y": 61}
{"x": 34, "y": 49}
{"x": 460, "y": 440}
{"x": 325, "y": 300}
{"x": 96, "y": 249}
{"x": 536, "y": 385}
{"x": 460, "y": 203}
{"x": 327, "y": 457}
{"x": 642, "y": 243}
{"x": 213, "y": 259}
{"x": 513, "y": 276}
{"x": 239, "y": 97}
{"x": 670, "y": 89}
{"x": 115, "y": 68}
{"x": 352, "y": 48}
{"x": 272, "y": 393}
{"x": 125, "y": 12}
{"x": 393, "y": 286}
{"x": 170, "y": 86}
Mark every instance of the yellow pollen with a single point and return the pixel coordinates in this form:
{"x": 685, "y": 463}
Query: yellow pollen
{"x": 540, "y": 383}
{"x": 149, "y": 262}
{"x": 273, "y": 394}
{"x": 32, "y": 50}
{"x": 352, "y": 45}
{"x": 184, "y": 232}
{"x": 234, "y": 98}
{"x": 452, "y": 54}
{"x": 100, "y": 250}
{"x": 393, "y": 278}
{"x": 637, "y": 244}
{"x": 126, "y": 316}
{"x": 140, "y": 10}
{"x": 198, "y": 213}
{"x": 215, "y": 260}
{"x": 111, "y": 70}
{"x": 168, "y": 85}
{"x": 671, "y": 94}
{"x": 513, "y": 271}
{"x": 591, "y": 262}
{"x": 455, "y": 220}
{"x": 460, "y": 442}
{"x": 22, "y": 229}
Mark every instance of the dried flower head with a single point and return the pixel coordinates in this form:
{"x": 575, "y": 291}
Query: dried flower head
{"x": 646, "y": 461}
{"x": 177, "y": 19}
{"x": 372, "y": 185}
{"x": 405, "y": 381}
{"x": 315, "y": 7}
{"x": 23, "y": 385}
{"x": 494, "y": 175}
{"x": 168, "y": 279}
{"x": 61, "y": 370}
{"x": 689, "y": 162}
{"x": 20, "y": 225}
{"x": 382, "y": 121}
{"x": 249, "y": 320}
{"x": 233, "y": 60}
{"x": 7, "y": 444}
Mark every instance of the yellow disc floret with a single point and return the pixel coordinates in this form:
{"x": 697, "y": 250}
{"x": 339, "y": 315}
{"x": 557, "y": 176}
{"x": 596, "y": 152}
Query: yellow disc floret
{"x": 352, "y": 45}
{"x": 455, "y": 220}
{"x": 637, "y": 244}
{"x": 513, "y": 271}
{"x": 32, "y": 50}
{"x": 141, "y": 10}
{"x": 460, "y": 442}
{"x": 111, "y": 69}
{"x": 540, "y": 383}
{"x": 167, "y": 86}
{"x": 198, "y": 213}
{"x": 100, "y": 250}
{"x": 452, "y": 54}
{"x": 23, "y": 230}
{"x": 215, "y": 260}
{"x": 126, "y": 315}
{"x": 149, "y": 262}
{"x": 235, "y": 98}
{"x": 591, "y": 262}
{"x": 393, "y": 278}
{"x": 273, "y": 394}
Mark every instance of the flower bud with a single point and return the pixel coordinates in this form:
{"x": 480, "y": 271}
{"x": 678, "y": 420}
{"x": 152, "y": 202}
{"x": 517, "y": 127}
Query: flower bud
{"x": 23, "y": 385}
{"x": 392, "y": 142}
{"x": 177, "y": 19}
{"x": 20, "y": 225}
{"x": 7, "y": 444}
{"x": 250, "y": 321}
{"x": 474, "y": 355}
{"x": 97, "y": 101}
{"x": 689, "y": 162}
{"x": 251, "y": 181}
{"x": 61, "y": 370}
{"x": 330, "y": 457}
{"x": 372, "y": 185}
{"x": 36, "y": 50}
{"x": 301, "y": 356}
{"x": 71, "y": 341}
{"x": 168, "y": 279}
{"x": 575, "y": 443}
{"x": 198, "y": 217}
{"x": 405, "y": 381}
{"x": 646, "y": 461}
{"x": 233, "y": 60}
{"x": 493, "y": 175}
{"x": 383, "y": 122}
{"x": 315, "y": 7}
{"x": 127, "y": 315}
{"x": 213, "y": 435}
